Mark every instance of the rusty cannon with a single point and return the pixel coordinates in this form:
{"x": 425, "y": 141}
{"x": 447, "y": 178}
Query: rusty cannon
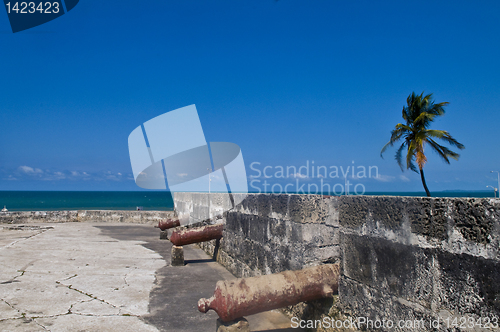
{"x": 234, "y": 299}
{"x": 196, "y": 235}
{"x": 165, "y": 225}
{"x": 184, "y": 237}
{"x": 169, "y": 223}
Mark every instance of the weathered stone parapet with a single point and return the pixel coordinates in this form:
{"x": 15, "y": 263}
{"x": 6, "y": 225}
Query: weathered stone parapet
{"x": 271, "y": 233}
{"x": 293, "y": 207}
{"x": 297, "y": 208}
{"x": 458, "y": 225}
{"x": 15, "y": 217}
{"x": 236, "y": 267}
{"x": 414, "y": 258}
{"x": 138, "y": 217}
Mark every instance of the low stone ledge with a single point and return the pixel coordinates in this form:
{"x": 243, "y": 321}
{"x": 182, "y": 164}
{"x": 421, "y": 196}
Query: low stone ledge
{"x": 137, "y": 217}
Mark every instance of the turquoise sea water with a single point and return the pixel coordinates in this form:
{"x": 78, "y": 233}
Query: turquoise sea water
{"x": 130, "y": 200}
{"x": 85, "y": 200}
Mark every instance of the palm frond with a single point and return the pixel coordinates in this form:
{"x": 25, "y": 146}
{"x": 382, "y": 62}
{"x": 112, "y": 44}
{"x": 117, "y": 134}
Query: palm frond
{"x": 405, "y": 114}
{"x": 443, "y": 151}
{"x": 439, "y": 149}
{"x": 437, "y": 109}
{"x": 404, "y": 127}
{"x": 399, "y": 157}
{"x": 445, "y": 136}
{"x": 385, "y": 148}
{"x": 396, "y": 135}
{"x": 410, "y": 155}
{"x": 413, "y": 167}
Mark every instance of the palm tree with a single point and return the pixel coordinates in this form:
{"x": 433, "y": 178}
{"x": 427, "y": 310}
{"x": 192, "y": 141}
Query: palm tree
{"x": 418, "y": 114}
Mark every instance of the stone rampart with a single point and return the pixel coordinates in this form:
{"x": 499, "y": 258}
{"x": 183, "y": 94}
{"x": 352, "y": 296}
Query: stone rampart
{"x": 138, "y": 217}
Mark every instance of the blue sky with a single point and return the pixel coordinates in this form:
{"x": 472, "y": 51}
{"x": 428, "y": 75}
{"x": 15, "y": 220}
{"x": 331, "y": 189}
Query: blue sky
{"x": 288, "y": 81}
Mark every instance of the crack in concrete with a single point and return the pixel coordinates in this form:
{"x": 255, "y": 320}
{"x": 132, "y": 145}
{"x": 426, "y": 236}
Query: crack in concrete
{"x": 15, "y": 318}
{"x": 23, "y": 316}
{"x": 10, "y": 305}
{"x": 24, "y": 239}
{"x": 111, "y": 315}
{"x": 75, "y": 275}
{"x": 71, "y": 313}
{"x": 86, "y": 294}
{"x": 71, "y": 306}
{"x": 37, "y": 323}
{"x": 22, "y": 270}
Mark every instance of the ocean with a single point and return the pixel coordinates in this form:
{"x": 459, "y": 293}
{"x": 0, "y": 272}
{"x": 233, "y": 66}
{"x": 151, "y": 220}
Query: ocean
{"x": 130, "y": 200}
{"x": 85, "y": 200}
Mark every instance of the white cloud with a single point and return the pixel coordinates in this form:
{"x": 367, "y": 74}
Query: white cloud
{"x": 385, "y": 178}
{"x": 389, "y": 178}
{"x": 298, "y": 175}
{"x": 59, "y": 175}
{"x": 78, "y": 175}
{"x": 31, "y": 173}
{"x": 404, "y": 178}
{"x": 29, "y": 170}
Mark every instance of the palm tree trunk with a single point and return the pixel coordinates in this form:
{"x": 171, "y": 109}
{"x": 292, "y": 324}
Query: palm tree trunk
{"x": 423, "y": 182}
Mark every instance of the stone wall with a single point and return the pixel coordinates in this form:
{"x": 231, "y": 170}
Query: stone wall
{"x": 406, "y": 258}
{"x": 402, "y": 258}
{"x": 272, "y": 233}
{"x": 139, "y": 217}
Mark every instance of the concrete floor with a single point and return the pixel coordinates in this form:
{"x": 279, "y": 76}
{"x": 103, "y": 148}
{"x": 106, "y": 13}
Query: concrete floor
{"x": 106, "y": 277}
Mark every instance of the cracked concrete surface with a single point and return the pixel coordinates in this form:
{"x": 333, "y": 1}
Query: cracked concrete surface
{"x": 70, "y": 277}
{"x": 106, "y": 277}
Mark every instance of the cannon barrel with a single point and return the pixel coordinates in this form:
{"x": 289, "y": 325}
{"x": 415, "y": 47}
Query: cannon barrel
{"x": 196, "y": 235}
{"x": 169, "y": 223}
{"x": 247, "y": 296}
